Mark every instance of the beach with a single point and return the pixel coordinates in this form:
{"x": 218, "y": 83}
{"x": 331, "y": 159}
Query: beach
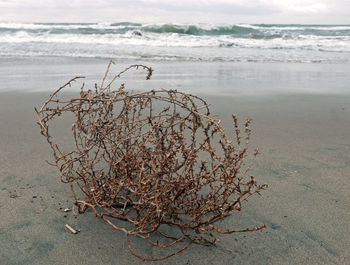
{"x": 301, "y": 124}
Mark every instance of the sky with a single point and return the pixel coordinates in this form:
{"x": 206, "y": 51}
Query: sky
{"x": 178, "y": 11}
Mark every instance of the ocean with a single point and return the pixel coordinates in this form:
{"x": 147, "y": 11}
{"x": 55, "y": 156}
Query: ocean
{"x": 179, "y": 42}
{"x": 231, "y": 59}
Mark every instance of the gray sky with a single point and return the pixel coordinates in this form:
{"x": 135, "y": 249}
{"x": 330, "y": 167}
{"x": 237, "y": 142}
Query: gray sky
{"x": 178, "y": 11}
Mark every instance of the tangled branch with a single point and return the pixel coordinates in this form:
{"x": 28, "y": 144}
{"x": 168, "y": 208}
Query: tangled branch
{"x": 152, "y": 159}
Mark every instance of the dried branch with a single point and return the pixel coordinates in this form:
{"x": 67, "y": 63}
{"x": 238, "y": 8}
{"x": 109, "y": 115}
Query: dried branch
{"x": 152, "y": 159}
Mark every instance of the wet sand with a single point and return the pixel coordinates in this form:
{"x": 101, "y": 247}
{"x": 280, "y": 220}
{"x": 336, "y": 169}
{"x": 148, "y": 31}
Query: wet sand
{"x": 305, "y": 146}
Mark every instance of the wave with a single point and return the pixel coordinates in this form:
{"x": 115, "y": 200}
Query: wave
{"x": 120, "y": 28}
{"x": 198, "y": 30}
{"x": 188, "y": 29}
{"x": 178, "y": 41}
{"x": 135, "y": 38}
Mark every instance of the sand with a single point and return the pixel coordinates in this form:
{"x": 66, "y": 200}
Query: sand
{"x": 304, "y": 141}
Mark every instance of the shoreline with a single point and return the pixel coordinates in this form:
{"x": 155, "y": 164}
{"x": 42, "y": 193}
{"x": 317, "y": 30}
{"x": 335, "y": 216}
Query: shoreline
{"x": 40, "y": 74}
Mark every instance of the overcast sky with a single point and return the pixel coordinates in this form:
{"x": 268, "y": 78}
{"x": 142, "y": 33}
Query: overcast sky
{"x": 180, "y": 11}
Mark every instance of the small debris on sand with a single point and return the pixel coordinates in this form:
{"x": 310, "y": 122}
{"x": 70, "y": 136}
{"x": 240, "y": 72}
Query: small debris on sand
{"x": 71, "y": 229}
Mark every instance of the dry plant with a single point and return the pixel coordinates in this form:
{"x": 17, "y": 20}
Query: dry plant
{"x": 152, "y": 159}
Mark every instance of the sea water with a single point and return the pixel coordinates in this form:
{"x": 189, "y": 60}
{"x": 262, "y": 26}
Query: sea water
{"x": 220, "y": 59}
{"x": 182, "y": 42}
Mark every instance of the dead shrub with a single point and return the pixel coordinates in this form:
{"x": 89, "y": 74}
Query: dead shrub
{"x": 153, "y": 159}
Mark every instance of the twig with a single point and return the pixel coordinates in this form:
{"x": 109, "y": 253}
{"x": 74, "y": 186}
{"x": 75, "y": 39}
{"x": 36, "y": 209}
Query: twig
{"x": 71, "y": 229}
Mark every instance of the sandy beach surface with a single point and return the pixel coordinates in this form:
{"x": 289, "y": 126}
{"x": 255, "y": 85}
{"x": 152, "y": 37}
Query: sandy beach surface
{"x": 305, "y": 144}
